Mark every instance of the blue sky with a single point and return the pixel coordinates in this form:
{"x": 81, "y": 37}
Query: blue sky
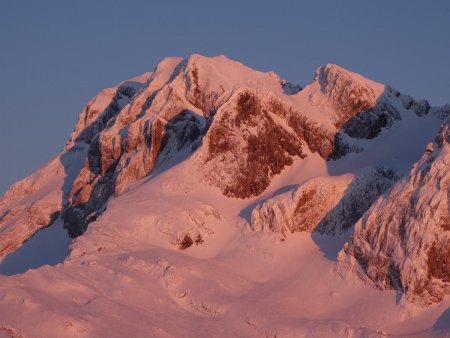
{"x": 56, "y": 55}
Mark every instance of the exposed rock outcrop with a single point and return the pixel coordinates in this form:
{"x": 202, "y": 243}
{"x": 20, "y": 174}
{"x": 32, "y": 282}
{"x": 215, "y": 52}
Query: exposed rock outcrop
{"x": 329, "y": 205}
{"x": 252, "y": 139}
{"x": 403, "y": 241}
{"x": 347, "y": 96}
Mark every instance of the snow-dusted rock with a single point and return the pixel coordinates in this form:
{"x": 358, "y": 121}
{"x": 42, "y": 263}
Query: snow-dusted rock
{"x": 347, "y": 92}
{"x": 329, "y": 205}
{"x": 403, "y": 241}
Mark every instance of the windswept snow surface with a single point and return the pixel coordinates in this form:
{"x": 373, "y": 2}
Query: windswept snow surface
{"x": 172, "y": 256}
{"x": 123, "y": 279}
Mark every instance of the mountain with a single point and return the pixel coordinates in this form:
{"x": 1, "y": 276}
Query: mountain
{"x": 203, "y": 180}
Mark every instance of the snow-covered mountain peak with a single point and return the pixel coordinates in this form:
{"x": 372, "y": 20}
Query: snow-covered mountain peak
{"x": 348, "y": 93}
{"x": 330, "y": 76}
{"x": 168, "y": 64}
{"x": 220, "y": 74}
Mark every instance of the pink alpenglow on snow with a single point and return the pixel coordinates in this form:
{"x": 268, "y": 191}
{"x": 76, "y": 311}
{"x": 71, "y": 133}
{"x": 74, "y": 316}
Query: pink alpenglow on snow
{"x": 206, "y": 198}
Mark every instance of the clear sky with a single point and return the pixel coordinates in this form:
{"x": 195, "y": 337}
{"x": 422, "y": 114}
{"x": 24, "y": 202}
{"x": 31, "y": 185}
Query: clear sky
{"x": 56, "y": 55}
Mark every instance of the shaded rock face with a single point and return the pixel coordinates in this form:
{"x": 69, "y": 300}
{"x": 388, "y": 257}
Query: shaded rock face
{"x": 403, "y": 241}
{"x": 118, "y": 154}
{"x": 328, "y": 205}
{"x": 101, "y": 110}
{"x": 184, "y": 130}
{"x": 290, "y": 88}
{"x": 114, "y": 162}
{"x": 369, "y": 123}
{"x": 36, "y": 201}
{"x": 38, "y": 215}
{"x": 362, "y": 192}
{"x": 442, "y": 112}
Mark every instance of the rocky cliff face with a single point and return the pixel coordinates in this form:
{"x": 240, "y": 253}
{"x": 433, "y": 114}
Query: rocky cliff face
{"x": 403, "y": 241}
{"x": 328, "y": 205}
{"x": 252, "y": 139}
{"x": 347, "y": 96}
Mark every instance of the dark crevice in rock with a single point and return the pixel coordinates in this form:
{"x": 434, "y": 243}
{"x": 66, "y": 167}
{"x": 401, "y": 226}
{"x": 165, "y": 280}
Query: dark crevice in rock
{"x": 186, "y": 242}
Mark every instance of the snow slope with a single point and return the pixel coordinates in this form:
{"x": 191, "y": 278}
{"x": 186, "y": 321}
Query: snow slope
{"x": 159, "y": 182}
{"x": 123, "y": 278}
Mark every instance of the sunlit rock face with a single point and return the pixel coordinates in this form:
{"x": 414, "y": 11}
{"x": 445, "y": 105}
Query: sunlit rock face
{"x": 252, "y": 139}
{"x": 328, "y": 205}
{"x": 346, "y": 95}
{"x": 403, "y": 241}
